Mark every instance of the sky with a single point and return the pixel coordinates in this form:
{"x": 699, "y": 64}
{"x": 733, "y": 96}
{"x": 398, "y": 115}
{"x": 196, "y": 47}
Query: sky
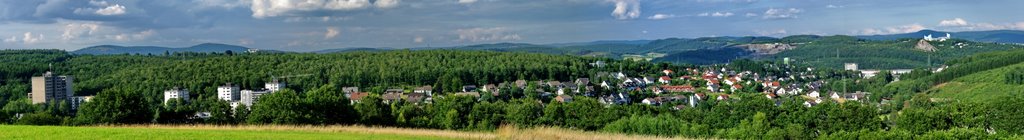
{"x": 310, "y": 25}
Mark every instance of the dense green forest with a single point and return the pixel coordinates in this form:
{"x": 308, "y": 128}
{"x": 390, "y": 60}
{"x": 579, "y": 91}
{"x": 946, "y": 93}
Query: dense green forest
{"x": 833, "y": 51}
{"x": 128, "y": 90}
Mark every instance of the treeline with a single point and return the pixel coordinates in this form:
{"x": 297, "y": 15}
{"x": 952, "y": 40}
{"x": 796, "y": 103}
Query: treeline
{"x": 1015, "y": 76}
{"x": 749, "y": 117}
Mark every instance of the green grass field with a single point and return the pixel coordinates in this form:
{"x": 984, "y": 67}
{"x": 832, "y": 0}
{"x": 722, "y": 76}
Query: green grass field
{"x": 979, "y": 87}
{"x": 248, "y": 132}
{"x": 8, "y": 132}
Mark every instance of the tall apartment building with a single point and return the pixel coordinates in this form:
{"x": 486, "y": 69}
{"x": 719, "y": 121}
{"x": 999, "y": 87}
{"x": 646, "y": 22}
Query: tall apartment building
{"x": 274, "y": 85}
{"x": 228, "y": 92}
{"x": 175, "y": 93}
{"x": 250, "y": 97}
{"x": 49, "y": 88}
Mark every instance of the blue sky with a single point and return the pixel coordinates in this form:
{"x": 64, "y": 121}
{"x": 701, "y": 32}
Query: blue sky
{"x": 309, "y": 25}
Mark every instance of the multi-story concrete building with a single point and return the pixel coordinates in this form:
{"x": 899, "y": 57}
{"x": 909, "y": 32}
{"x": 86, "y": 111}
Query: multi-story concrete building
{"x": 274, "y": 85}
{"x": 48, "y": 88}
{"x": 228, "y": 92}
{"x": 77, "y": 101}
{"x": 175, "y": 93}
{"x": 250, "y": 97}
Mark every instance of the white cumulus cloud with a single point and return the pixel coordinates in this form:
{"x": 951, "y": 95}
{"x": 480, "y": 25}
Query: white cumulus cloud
{"x": 779, "y": 32}
{"x": 331, "y": 32}
{"x": 466, "y": 1}
{"x": 272, "y": 8}
{"x": 626, "y": 9}
{"x": 773, "y": 13}
{"x": 132, "y": 36}
{"x": 716, "y": 14}
{"x": 417, "y": 39}
{"x": 29, "y": 38}
{"x": 892, "y": 29}
{"x": 486, "y": 34}
{"x": 111, "y": 10}
{"x": 953, "y": 22}
{"x": 386, "y": 3}
{"x": 74, "y": 30}
{"x": 12, "y": 39}
{"x": 661, "y": 16}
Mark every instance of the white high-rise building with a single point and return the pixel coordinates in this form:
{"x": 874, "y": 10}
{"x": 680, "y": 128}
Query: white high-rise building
{"x": 228, "y": 92}
{"x": 851, "y": 66}
{"x": 49, "y": 88}
{"x": 175, "y": 93}
{"x": 274, "y": 85}
{"x": 250, "y": 97}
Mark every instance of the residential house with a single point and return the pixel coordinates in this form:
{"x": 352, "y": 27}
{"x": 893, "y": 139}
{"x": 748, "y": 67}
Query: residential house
{"x": 814, "y": 94}
{"x": 835, "y": 95}
{"x": 391, "y": 97}
{"x": 572, "y": 88}
{"x": 771, "y": 95}
{"x": 723, "y": 97}
{"x": 469, "y": 88}
{"x": 857, "y": 96}
{"x": 521, "y": 84}
{"x": 473, "y": 94}
{"x": 697, "y": 98}
{"x": 491, "y": 88}
{"x": 657, "y": 90}
{"x": 683, "y": 88}
{"x": 810, "y": 103}
{"x": 350, "y": 89}
{"x": 582, "y": 81}
{"x": 395, "y": 90}
{"x": 736, "y": 87}
{"x": 664, "y": 79}
{"x": 356, "y": 97}
{"x": 652, "y": 101}
{"x": 563, "y": 98}
{"x": 714, "y": 88}
{"x": 620, "y": 75}
{"x": 426, "y": 90}
{"x": 667, "y": 72}
{"x": 616, "y": 99}
{"x": 415, "y": 97}
{"x": 554, "y": 84}
{"x": 649, "y": 80}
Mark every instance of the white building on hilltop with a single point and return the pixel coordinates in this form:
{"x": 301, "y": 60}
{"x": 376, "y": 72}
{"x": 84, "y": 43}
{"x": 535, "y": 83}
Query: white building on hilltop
{"x": 940, "y": 39}
{"x": 175, "y": 93}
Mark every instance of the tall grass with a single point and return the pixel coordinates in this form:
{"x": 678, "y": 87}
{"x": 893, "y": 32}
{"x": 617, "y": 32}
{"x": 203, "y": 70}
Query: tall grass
{"x": 554, "y": 133}
{"x": 331, "y": 128}
{"x": 504, "y": 133}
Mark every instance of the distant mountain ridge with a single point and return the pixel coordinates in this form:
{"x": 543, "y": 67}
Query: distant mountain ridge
{"x": 994, "y": 36}
{"x": 156, "y": 50}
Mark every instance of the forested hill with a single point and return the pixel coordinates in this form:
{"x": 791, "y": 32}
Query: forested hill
{"x": 201, "y": 73}
{"x": 155, "y": 50}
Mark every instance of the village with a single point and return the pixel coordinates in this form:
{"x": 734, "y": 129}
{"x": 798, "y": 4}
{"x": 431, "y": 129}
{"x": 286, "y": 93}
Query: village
{"x": 677, "y": 90}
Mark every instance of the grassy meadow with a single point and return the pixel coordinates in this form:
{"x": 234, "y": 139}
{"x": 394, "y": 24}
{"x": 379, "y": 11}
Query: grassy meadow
{"x": 175, "y": 132}
{"x": 979, "y": 87}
